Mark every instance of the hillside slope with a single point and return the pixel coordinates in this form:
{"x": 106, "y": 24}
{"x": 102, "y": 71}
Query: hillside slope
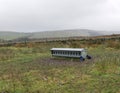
{"x": 12, "y": 35}
{"x": 65, "y": 33}
{"x": 52, "y": 34}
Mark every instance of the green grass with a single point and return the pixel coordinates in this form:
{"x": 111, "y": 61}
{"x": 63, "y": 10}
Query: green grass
{"x": 33, "y": 70}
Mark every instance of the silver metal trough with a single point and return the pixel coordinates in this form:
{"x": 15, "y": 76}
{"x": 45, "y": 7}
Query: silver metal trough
{"x": 69, "y": 52}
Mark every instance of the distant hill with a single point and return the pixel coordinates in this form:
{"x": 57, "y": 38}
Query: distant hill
{"x": 7, "y": 35}
{"x": 65, "y": 33}
{"x": 53, "y": 34}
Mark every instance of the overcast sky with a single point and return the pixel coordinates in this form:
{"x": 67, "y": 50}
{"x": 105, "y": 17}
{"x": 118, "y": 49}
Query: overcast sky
{"x": 42, "y": 15}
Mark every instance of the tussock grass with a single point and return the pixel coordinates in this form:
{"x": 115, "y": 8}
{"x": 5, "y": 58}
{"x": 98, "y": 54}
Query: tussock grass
{"x": 33, "y": 70}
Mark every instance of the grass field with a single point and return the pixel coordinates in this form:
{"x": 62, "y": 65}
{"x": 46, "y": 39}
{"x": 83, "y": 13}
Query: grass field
{"x": 33, "y": 70}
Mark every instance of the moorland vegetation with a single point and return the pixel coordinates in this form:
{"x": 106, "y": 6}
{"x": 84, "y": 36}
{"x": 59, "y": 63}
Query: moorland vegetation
{"x": 30, "y": 68}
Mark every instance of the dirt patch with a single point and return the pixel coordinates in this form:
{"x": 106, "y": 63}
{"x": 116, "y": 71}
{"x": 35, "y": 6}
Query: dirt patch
{"x": 62, "y": 62}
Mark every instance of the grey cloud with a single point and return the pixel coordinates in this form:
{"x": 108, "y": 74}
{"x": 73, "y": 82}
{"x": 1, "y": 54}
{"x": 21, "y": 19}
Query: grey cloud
{"x": 39, "y": 15}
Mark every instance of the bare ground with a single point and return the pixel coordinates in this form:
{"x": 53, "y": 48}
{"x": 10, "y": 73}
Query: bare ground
{"x": 63, "y": 62}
